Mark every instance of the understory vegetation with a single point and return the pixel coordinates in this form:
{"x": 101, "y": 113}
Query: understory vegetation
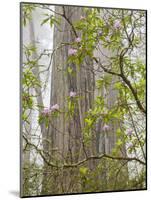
{"x": 83, "y": 100}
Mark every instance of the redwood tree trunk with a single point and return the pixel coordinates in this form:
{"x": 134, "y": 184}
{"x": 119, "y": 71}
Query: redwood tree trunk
{"x": 66, "y": 136}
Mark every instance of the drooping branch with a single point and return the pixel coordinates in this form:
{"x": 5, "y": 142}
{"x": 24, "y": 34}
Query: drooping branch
{"x": 105, "y": 156}
{"x": 69, "y": 22}
{"x": 105, "y": 69}
{"x": 126, "y": 81}
{"x": 82, "y": 161}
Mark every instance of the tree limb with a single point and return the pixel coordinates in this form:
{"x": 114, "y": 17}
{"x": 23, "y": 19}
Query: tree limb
{"x": 84, "y": 160}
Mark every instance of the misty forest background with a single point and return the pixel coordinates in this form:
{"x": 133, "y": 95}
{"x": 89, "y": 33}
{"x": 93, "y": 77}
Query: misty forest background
{"x": 83, "y": 99}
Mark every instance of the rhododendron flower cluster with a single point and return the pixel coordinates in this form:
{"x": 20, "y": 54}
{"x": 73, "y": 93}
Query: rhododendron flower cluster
{"x": 129, "y": 132}
{"x": 72, "y": 52}
{"x": 100, "y": 33}
{"x": 78, "y": 39}
{"x": 73, "y": 94}
{"x": 47, "y": 111}
{"x": 82, "y": 17}
{"x": 117, "y": 24}
{"x": 106, "y": 127}
{"x": 54, "y": 107}
{"x": 107, "y": 38}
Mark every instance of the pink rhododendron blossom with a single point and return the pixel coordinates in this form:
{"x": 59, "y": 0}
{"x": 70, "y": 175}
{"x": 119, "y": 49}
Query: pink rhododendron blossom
{"x": 106, "y": 127}
{"x": 46, "y": 111}
{"x": 117, "y": 24}
{"x": 78, "y": 39}
{"x": 72, "y": 94}
{"x": 82, "y": 17}
{"x": 130, "y": 146}
{"x": 100, "y": 33}
{"x": 55, "y": 107}
{"x": 72, "y": 52}
{"x": 129, "y": 132}
{"x": 107, "y": 38}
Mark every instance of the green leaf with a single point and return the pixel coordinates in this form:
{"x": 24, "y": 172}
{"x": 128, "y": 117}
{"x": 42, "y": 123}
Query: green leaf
{"x": 99, "y": 83}
{"x": 83, "y": 170}
{"x": 69, "y": 70}
{"x": 54, "y": 20}
{"x": 118, "y": 85}
{"x": 45, "y": 21}
{"x": 119, "y": 142}
{"x": 89, "y": 121}
{"x": 118, "y": 132}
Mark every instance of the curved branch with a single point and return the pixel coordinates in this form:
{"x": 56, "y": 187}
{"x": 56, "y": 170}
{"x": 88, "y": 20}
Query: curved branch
{"x": 69, "y": 22}
{"x": 105, "y": 69}
{"x": 126, "y": 81}
{"x": 128, "y": 159}
{"x": 105, "y": 156}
